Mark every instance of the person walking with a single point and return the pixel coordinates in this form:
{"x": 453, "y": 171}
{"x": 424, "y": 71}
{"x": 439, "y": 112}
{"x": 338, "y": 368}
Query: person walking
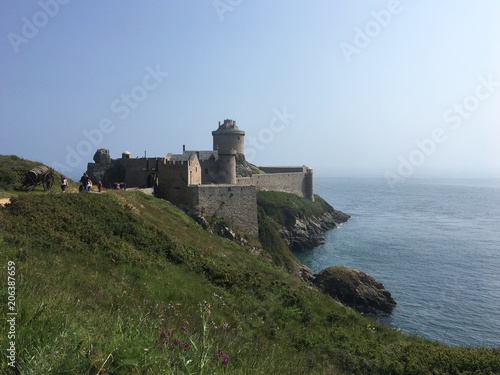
{"x": 99, "y": 186}
{"x": 63, "y": 183}
{"x": 84, "y": 181}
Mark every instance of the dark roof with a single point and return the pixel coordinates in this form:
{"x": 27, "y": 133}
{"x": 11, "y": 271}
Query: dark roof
{"x": 204, "y": 155}
{"x": 189, "y": 155}
{"x": 186, "y": 156}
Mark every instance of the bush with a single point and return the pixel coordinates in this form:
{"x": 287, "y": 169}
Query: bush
{"x": 8, "y": 179}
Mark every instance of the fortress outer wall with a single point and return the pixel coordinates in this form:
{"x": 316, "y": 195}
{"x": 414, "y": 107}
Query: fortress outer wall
{"x": 295, "y": 182}
{"x": 232, "y": 202}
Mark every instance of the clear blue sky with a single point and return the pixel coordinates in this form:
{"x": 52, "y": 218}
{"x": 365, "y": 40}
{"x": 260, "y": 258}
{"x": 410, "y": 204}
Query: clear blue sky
{"x": 347, "y": 88}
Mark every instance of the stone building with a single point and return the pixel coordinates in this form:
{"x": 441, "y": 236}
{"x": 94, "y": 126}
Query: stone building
{"x": 206, "y": 181}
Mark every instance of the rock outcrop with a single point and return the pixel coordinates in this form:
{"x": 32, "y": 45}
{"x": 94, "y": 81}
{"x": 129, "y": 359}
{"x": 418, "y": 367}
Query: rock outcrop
{"x": 305, "y": 233}
{"x": 355, "y": 289}
{"x": 101, "y": 156}
{"x": 244, "y": 168}
{"x": 106, "y": 169}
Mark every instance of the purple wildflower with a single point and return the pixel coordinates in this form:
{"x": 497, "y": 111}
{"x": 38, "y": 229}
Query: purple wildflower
{"x": 225, "y": 361}
{"x": 219, "y": 354}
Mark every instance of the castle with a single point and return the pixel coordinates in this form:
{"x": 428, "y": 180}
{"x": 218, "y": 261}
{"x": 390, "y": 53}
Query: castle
{"x": 218, "y": 182}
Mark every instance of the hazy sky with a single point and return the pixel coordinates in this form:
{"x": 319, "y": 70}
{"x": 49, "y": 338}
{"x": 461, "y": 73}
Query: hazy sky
{"x": 393, "y": 89}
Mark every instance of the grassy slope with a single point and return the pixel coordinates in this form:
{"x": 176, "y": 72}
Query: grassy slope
{"x": 273, "y": 202}
{"x": 100, "y": 276}
{"x": 9, "y": 180}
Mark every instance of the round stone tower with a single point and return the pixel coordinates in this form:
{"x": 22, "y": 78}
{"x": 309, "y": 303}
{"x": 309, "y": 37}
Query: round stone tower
{"x": 226, "y": 167}
{"x": 229, "y": 137}
{"x": 228, "y": 142}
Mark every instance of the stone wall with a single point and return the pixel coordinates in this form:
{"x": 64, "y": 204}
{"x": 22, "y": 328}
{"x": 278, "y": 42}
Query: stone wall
{"x": 137, "y": 171}
{"x": 301, "y": 169}
{"x": 238, "y": 204}
{"x": 108, "y": 173}
{"x": 209, "y": 172}
{"x": 174, "y": 178}
{"x": 299, "y": 183}
{"x": 224, "y": 141}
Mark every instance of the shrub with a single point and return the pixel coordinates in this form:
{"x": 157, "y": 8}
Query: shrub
{"x": 8, "y": 179}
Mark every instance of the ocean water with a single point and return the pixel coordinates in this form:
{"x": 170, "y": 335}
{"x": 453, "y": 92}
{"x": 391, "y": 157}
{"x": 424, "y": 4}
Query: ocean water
{"x": 434, "y": 244}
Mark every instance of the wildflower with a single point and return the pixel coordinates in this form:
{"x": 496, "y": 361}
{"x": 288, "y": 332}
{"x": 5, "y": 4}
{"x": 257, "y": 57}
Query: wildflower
{"x": 164, "y": 337}
{"x": 183, "y": 329}
{"x": 225, "y": 361}
{"x": 219, "y": 354}
{"x": 187, "y": 345}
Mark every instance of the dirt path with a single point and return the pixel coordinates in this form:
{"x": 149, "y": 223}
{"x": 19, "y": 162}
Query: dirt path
{"x": 4, "y": 201}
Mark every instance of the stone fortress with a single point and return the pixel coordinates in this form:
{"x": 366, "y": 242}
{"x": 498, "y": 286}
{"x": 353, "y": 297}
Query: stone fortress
{"x": 219, "y": 182}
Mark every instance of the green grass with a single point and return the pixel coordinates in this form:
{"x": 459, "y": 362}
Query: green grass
{"x": 273, "y": 203}
{"x": 274, "y": 246}
{"x": 103, "y": 279}
{"x": 9, "y": 180}
{"x": 8, "y": 177}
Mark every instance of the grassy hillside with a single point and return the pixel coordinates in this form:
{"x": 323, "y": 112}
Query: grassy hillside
{"x": 9, "y": 181}
{"x": 124, "y": 283}
{"x": 273, "y": 202}
{"x": 274, "y": 246}
{"x": 8, "y": 178}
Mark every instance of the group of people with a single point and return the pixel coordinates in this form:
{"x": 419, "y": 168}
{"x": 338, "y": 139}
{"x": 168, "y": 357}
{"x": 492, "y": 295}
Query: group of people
{"x": 85, "y": 184}
{"x": 120, "y": 185}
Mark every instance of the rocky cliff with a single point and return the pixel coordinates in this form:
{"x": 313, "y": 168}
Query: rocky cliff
{"x": 305, "y": 233}
{"x": 301, "y": 222}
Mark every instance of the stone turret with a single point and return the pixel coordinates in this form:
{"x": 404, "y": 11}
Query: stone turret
{"x": 227, "y": 167}
{"x": 229, "y": 137}
{"x": 309, "y": 184}
{"x": 228, "y": 142}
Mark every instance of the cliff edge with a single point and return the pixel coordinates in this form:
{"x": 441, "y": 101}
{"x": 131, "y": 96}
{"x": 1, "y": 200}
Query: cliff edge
{"x": 301, "y": 222}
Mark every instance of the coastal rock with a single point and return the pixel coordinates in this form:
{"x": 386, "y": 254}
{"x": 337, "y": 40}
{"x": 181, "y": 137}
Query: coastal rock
{"x": 306, "y": 274}
{"x": 305, "y": 233}
{"x": 355, "y": 289}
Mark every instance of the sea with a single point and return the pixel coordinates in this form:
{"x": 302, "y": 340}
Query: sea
{"x": 433, "y": 243}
